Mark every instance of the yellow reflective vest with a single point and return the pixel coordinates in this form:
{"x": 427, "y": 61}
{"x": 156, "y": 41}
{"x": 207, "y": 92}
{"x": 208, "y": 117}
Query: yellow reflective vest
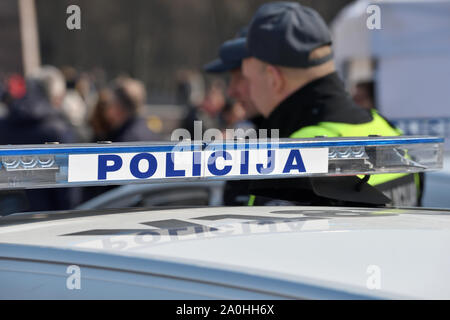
{"x": 378, "y": 126}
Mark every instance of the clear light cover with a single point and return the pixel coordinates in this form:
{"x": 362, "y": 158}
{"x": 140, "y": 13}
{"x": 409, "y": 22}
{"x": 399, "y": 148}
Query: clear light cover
{"x": 44, "y": 166}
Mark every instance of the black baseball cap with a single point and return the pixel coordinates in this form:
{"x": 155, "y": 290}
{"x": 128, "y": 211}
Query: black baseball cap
{"x": 285, "y": 33}
{"x": 231, "y": 54}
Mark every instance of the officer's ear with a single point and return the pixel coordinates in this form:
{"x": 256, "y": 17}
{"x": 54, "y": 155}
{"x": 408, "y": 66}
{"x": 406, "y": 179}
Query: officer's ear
{"x": 276, "y": 79}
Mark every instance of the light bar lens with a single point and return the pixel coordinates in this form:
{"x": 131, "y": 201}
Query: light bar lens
{"x": 18, "y": 163}
{"x": 46, "y": 166}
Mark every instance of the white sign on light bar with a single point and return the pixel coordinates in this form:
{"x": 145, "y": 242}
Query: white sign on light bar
{"x": 187, "y": 164}
{"x": 42, "y": 166}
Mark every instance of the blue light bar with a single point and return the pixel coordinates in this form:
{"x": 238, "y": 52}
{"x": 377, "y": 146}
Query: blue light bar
{"x": 42, "y": 166}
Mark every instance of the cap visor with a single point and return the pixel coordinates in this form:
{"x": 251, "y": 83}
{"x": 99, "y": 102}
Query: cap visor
{"x": 234, "y": 50}
{"x": 218, "y": 66}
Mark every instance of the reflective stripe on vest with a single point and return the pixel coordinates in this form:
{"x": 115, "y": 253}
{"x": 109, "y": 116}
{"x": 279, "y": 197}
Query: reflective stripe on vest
{"x": 378, "y": 126}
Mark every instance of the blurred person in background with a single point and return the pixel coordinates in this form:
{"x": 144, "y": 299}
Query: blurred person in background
{"x": 98, "y": 120}
{"x": 117, "y": 116}
{"x": 235, "y": 117}
{"x": 190, "y": 92}
{"x": 230, "y": 60}
{"x": 209, "y": 110}
{"x": 74, "y": 106}
{"x": 190, "y": 88}
{"x": 14, "y": 86}
{"x": 35, "y": 117}
{"x": 238, "y": 89}
{"x": 213, "y": 105}
{"x": 11, "y": 88}
{"x": 87, "y": 89}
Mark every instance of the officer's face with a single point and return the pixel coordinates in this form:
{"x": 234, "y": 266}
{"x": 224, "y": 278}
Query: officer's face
{"x": 238, "y": 89}
{"x": 259, "y": 85}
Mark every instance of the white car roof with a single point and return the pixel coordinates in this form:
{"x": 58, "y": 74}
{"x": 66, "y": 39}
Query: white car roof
{"x": 343, "y": 247}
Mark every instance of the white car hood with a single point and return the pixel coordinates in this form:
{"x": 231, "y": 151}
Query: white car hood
{"x": 402, "y": 252}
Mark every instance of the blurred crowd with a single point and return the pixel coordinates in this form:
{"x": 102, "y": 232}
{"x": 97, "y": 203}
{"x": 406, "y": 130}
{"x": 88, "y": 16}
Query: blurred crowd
{"x": 54, "y": 105}
{"x": 66, "y": 106}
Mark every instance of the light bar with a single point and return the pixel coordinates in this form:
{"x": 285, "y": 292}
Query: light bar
{"x": 44, "y": 166}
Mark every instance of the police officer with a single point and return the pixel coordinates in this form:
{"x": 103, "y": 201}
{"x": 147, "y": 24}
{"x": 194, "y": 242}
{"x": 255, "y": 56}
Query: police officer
{"x": 294, "y": 85}
{"x": 231, "y": 54}
{"x": 230, "y": 60}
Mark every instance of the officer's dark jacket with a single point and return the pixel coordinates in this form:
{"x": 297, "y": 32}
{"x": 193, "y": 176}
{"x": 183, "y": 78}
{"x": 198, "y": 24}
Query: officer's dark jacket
{"x": 323, "y": 107}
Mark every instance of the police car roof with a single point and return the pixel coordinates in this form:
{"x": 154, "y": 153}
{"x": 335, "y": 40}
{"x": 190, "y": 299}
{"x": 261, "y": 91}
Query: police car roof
{"x": 330, "y": 247}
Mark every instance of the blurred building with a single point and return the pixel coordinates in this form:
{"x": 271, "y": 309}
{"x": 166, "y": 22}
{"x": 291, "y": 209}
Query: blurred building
{"x": 150, "y": 40}
{"x": 407, "y": 61}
